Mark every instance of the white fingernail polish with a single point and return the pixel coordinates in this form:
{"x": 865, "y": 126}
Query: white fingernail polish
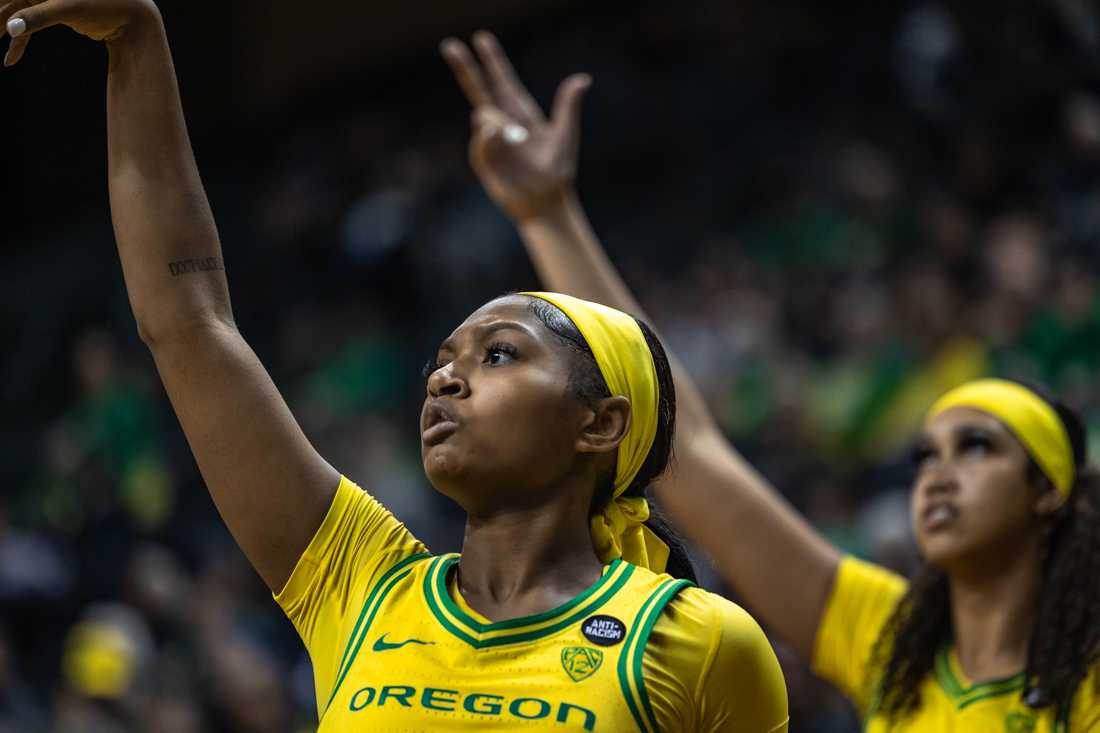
{"x": 515, "y": 134}
{"x": 16, "y": 26}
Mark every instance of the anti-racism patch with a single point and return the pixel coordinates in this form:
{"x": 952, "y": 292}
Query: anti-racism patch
{"x": 603, "y": 630}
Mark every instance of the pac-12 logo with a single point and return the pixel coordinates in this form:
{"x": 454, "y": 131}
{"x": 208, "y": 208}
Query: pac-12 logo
{"x": 1017, "y": 722}
{"x": 580, "y": 662}
{"x": 603, "y": 630}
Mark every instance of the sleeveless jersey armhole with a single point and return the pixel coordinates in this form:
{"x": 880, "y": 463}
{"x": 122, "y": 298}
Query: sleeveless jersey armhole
{"x": 709, "y": 668}
{"x": 630, "y": 672}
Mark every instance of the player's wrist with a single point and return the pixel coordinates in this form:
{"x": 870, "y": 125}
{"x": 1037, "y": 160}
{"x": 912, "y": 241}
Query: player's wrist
{"x": 555, "y": 209}
{"x": 559, "y": 228}
{"x": 143, "y": 24}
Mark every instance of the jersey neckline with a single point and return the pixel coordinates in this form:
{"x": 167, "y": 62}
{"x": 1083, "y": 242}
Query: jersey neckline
{"x": 953, "y": 681}
{"x": 481, "y": 635}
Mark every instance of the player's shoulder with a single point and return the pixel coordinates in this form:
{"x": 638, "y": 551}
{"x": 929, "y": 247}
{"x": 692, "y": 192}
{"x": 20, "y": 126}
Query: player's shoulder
{"x": 694, "y": 616}
{"x": 1086, "y": 704}
{"x": 718, "y": 649}
{"x": 712, "y": 614}
{"x": 694, "y": 608}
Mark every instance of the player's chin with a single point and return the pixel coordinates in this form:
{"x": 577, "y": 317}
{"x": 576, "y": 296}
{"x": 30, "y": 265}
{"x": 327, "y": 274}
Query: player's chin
{"x": 945, "y": 552}
{"x": 445, "y": 467}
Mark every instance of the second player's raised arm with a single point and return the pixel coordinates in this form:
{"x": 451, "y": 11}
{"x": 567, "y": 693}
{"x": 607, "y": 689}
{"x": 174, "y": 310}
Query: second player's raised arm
{"x": 767, "y": 551}
{"x": 780, "y": 565}
{"x": 269, "y": 484}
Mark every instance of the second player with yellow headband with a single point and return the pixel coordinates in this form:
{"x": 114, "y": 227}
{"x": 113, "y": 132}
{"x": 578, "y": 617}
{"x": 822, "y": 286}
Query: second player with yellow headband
{"x": 999, "y": 631}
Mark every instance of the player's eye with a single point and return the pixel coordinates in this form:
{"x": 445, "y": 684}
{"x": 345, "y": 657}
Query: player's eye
{"x": 500, "y": 353}
{"x": 921, "y": 455}
{"x": 975, "y": 444}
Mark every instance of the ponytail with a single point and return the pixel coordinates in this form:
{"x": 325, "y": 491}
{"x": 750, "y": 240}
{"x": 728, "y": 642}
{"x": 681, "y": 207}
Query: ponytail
{"x": 679, "y": 562}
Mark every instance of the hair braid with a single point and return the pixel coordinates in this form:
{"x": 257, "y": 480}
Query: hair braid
{"x": 919, "y": 627}
{"x": 1066, "y": 637}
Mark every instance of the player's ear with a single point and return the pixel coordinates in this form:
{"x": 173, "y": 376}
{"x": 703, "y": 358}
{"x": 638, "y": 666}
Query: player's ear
{"x": 1049, "y": 501}
{"x": 609, "y": 423}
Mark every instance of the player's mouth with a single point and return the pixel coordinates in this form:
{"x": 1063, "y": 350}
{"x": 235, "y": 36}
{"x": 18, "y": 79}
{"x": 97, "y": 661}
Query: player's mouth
{"x": 437, "y": 424}
{"x": 939, "y": 516}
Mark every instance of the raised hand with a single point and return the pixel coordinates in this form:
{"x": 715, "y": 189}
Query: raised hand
{"x": 525, "y": 161}
{"x": 100, "y": 20}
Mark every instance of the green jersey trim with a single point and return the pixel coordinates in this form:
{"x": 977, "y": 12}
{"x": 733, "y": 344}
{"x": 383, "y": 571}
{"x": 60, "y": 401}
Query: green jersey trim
{"x": 526, "y": 628}
{"x": 964, "y": 696}
{"x": 475, "y": 625}
{"x": 374, "y": 601}
{"x": 631, "y": 679}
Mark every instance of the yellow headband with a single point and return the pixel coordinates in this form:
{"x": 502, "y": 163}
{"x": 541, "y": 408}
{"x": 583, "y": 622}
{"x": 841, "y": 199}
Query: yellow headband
{"x": 626, "y": 364}
{"x": 1030, "y": 418}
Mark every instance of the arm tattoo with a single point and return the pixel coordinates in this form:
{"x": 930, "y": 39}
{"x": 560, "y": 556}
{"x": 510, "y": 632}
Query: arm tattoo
{"x": 184, "y": 267}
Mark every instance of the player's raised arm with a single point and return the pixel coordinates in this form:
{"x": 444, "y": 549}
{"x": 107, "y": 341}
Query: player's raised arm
{"x": 527, "y": 163}
{"x": 269, "y": 484}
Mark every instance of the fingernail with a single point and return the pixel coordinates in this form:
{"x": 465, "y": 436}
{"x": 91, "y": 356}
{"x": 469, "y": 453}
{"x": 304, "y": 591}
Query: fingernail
{"x": 515, "y": 134}
{"x": 16, "y": 26}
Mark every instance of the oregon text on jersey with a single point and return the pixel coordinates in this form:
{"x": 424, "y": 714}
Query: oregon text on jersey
{"x": 484, "y": 704}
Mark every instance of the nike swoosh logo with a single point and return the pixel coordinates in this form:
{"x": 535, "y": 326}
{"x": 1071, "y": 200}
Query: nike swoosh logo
{"x": 383, "y": 646}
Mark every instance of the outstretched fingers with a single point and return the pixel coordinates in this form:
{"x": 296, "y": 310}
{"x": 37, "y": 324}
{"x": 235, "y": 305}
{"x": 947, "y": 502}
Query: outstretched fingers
{"x": 511, "y": 94}
{"x": 566, "y": 112}
{"x": 467, "y": 72}
{"x": 23, "y": 18}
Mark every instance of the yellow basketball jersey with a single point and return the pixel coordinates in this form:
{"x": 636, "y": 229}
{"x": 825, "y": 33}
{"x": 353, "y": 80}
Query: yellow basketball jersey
{"x": 395, "y": 648}
{"x": 862, "y": 599}
{"x": 419, "y": 661}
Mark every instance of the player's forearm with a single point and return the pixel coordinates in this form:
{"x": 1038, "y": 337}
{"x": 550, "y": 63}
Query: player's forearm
{"x": 570, "y": 259}
{"x": 772, "y": 557}
{"x": 167, "y": 239}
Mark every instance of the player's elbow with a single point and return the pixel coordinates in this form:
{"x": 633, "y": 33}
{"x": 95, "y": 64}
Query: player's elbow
{"x": 157, "y": 331}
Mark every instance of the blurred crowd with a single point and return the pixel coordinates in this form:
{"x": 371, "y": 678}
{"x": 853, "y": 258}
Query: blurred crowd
{"x": 830, "y": 218}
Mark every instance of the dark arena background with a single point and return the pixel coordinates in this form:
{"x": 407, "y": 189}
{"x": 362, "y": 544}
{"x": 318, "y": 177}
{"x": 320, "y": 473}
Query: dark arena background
{"x": 833, "y": 213}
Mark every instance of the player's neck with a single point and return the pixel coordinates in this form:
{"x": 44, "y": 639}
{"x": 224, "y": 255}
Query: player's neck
{"x": 992, "y": 614}
{"x": 525, "y": 561}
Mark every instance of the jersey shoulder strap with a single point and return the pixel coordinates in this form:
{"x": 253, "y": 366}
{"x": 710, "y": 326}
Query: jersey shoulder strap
{"x": 631, "y": 681}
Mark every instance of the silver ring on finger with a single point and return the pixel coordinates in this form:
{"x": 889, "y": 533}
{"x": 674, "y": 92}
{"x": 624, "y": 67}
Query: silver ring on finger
{"x": 516, "y": 134}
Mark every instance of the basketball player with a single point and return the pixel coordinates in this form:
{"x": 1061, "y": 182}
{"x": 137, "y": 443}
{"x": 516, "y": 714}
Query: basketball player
{"x": 545, "y": 418}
